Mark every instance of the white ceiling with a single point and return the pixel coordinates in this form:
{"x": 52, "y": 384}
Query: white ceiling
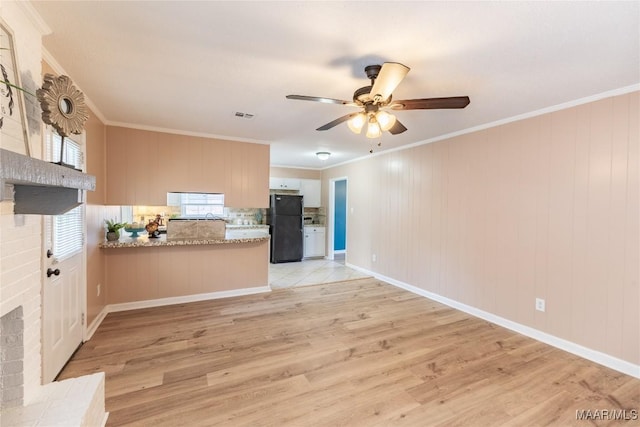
{"x": 189, "y": 66}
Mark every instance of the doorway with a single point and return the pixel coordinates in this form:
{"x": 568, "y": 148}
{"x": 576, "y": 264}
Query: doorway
{"x": 63, "y": 271}
{"x": 337, "y": 229}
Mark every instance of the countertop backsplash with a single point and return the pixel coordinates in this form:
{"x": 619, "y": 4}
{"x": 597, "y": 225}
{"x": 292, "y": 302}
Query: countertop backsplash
{"x": 233, "y": 216}
{"x": 245, "y": 216}
{"x": 144, "y": 214}
{"x": 315, "y": 216}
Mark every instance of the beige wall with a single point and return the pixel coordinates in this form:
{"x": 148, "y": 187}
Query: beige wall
{"x": 280, "y": 172}
{"x": 544, "y": 207}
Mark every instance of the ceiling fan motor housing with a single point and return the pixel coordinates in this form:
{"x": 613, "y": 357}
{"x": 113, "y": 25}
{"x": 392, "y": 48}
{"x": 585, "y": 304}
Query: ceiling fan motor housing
{"x": 372, "y": 71}
{"x": 362, "y": 96}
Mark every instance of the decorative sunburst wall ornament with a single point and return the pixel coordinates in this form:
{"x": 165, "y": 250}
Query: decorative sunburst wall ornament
{"x": 62, "y": 105}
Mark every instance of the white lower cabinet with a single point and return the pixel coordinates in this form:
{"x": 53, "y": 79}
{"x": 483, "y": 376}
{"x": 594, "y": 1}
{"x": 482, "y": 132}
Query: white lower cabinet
{"x": 314, "y": 241}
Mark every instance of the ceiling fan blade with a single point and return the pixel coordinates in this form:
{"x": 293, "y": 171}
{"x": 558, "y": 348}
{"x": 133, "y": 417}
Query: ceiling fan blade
{"x": 337, "y": 121}
{"x": 389, "y": 77}
{"x": 320, "y": 99}
{"x": 397, "y": 128}
{"x": 431, "y": 103}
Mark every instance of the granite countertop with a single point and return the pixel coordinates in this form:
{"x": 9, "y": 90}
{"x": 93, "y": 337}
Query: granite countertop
{"x": 144, "y": 241}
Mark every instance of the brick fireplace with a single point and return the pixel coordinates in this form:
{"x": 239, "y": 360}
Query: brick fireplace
{"x": 11, "y": 359}
{"x": 20, "y": 247}
{"x": 24, "y": 400}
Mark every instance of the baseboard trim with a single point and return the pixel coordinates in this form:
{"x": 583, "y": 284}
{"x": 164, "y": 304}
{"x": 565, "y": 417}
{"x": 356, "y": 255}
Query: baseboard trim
{"x": 91, "y": 329}
{"x": 113, "y": 308}
{"x": 604, "y": 359}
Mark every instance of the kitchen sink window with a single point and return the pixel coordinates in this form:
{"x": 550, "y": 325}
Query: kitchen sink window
{"x": 198, "y": 205}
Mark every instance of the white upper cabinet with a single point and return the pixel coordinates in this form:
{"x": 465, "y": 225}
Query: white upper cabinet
{"x": 284, "y": 184}
{"x": 310, "y": 189}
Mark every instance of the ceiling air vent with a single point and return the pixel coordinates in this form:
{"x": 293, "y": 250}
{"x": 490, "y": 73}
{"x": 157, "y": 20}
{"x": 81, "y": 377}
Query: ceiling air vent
{"x": 244, "y": 115}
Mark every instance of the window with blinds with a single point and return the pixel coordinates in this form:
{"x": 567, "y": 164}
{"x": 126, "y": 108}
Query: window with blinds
{"x": 67, "y": 229}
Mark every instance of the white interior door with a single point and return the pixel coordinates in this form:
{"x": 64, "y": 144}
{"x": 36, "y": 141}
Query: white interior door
{"x": 63, "y": 275}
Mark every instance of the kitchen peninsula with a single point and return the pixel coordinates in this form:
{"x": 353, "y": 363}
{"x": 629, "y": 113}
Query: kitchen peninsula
{"x": 146, "y": 272}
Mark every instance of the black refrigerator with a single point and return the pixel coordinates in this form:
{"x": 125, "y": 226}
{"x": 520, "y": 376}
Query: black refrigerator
{"x": 286, "y": 228}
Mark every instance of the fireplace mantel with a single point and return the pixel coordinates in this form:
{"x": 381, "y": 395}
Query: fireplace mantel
{"x": 39, "y": 187}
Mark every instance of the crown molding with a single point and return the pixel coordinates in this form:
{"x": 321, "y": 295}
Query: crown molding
{"x": 55, "y": 65}
{"x": 35, "y": 18}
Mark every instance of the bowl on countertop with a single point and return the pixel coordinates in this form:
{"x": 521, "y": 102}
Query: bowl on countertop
{"x": 134, "y": 231}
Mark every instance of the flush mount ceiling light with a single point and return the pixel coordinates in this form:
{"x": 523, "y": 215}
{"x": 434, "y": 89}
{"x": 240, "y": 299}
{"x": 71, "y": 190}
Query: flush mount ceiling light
{"x": 323, "y": 155}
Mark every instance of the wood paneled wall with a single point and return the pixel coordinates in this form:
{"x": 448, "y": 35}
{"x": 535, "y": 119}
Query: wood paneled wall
{"x": 544, "y": 207}
{"x": 142, "y": 166}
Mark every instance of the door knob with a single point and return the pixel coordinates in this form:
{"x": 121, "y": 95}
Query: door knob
{"x": 51, "y": 272}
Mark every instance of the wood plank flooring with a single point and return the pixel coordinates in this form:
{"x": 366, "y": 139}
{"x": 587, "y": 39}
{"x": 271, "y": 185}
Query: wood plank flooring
{"x": 356, "y": 353}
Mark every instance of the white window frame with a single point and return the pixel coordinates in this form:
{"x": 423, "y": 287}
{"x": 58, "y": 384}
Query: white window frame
{"x": 198, "y": 205}
{"x": 67, "y": 230}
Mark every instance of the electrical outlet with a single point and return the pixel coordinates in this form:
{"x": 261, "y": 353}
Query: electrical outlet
{"x": 374, "y": 258}
{"x": 540, "y": 304}
{"x": 99, "y": 289}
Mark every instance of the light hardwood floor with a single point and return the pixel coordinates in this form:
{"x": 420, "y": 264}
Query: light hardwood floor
{"x": 359, "y": 353}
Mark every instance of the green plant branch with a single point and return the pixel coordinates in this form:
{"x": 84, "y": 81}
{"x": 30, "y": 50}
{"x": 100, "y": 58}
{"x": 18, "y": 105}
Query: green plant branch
{"x": 4, "y": 82}
{"x": 11, "y": 84}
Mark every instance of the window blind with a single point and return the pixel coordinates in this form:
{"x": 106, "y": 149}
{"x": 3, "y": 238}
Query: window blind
{"x": 68, "y": 229}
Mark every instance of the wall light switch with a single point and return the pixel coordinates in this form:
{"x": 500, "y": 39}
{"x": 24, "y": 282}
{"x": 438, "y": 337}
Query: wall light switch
{"x": 540, "y": 304}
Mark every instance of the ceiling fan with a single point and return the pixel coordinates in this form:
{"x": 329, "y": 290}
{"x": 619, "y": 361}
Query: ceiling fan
{"x": 375, "y": 101}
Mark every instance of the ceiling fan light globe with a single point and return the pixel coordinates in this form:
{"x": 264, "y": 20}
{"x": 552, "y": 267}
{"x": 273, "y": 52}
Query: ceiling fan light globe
{"x": 385, "y": 120}
{"x": 356, "y": 123}
{"x": 373, "y": 129}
